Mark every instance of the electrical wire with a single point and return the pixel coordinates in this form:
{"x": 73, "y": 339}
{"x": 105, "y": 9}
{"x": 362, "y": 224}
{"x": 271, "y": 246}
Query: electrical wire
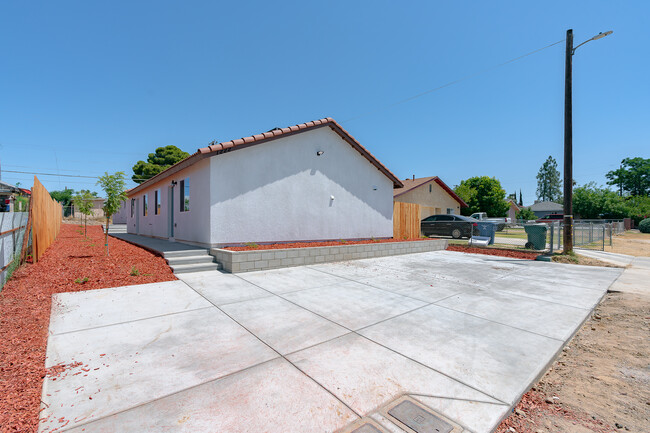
{"x": 467, "y": 77}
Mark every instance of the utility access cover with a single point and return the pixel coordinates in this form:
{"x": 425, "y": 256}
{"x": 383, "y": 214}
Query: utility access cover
{"x": 418, "y": 419}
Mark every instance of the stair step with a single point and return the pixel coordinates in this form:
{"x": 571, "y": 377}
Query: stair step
{"x": 195, "y": 267}
{"x": 184, "y": 253}
{"x": 203, "y": 258}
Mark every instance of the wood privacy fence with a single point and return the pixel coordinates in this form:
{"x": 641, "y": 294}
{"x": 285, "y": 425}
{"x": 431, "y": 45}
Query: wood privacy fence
{"x": 45, "y": 219}
{"x": 406, "y": 220}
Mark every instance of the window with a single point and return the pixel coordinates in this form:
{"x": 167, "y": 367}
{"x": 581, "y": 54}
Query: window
{"x": 145, "y": 210}
{"x": 445, "y": 218}
{"x": 185, "y": 194}
{"x": 132, "y": 207}
{"x": 156, "y": 203}
{"x": 431, "y": 218}
{"x": 429, "y": 187}
{"x": 450, "y": 211}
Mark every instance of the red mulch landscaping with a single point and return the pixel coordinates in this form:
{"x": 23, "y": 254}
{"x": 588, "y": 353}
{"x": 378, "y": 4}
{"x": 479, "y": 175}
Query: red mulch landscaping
{"x": 25, "y": 309}
{"x": 493, "y": 252}
{"x": 319, "y": 244}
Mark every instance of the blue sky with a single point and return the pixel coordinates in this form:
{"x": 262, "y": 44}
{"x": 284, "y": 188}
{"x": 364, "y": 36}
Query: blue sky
{"x": 89, "y": 87}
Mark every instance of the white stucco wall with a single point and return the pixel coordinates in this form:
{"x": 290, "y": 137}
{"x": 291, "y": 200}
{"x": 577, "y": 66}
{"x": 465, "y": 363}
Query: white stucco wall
{"x": 280, "y": 191}
{"x": 191, "y": 226}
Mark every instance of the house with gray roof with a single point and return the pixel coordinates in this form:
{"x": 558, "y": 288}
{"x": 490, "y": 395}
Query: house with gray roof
{"x": 543, "y": 208}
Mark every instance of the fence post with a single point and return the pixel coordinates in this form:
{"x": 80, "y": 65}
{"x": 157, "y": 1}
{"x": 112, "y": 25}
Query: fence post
{"x": 552, "y": 227}
{"x": 603, "y": 237}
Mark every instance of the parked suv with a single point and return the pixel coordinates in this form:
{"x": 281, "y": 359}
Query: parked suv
{"x": 456, "y": 226}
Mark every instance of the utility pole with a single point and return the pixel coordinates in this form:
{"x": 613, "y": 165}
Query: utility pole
{"x": 568, "y": 138}
{"x": 568, "y": 147}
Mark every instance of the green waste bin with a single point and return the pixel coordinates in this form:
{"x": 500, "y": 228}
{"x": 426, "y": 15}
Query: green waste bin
{"x": 536, "y": 236}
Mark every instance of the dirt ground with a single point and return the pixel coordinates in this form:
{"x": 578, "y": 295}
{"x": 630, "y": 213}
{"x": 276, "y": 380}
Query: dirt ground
{"x": 582, "y": 260}
{"x": 632, "y": 242}
{"x": 601, "y": 381}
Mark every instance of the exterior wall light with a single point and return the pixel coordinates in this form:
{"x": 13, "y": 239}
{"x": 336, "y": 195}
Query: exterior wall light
{"x": 174, "y": 183}
{"x": 319, "y": 153}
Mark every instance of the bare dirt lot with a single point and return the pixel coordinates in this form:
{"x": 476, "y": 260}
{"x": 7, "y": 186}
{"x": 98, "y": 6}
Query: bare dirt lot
{"x": 601, "y": 381}
{"x": 632, "y": 243}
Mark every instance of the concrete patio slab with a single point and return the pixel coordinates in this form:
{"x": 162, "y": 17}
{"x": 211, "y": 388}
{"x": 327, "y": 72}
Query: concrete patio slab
{"x": 422, "y": 288}
{"x": 125, "y": 365}
{"x": 282, "y": 325}
{"x": 221, "y": 289}
{"x": 540, "y": 317}
{"x": 502, "y": 360}
{"x": 465, "y": 334}
{"x": 290, "y": 279}
{"x": 365, "y": 375}
{"x": 353, "y": 305}
{"x": 274, "y": 396}
{"x": 93, "y": 308}
{"x": 552, "y": 291}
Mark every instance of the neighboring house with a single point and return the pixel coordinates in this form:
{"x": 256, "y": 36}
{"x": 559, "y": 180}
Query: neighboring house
{"x": 308, "y": 182}
{"x": 432, "y": 194}
{"x": 119, "y": 217}
{"x": 97, "y": 211}
{"x": 543, "y": 208}
{"x": 512, "y": 210}
{"x": 8, "y": 194}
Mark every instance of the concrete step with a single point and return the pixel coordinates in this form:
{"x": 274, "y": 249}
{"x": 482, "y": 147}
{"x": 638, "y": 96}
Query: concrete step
{"x": 195, "y": 267}
{"x": 183, "y": 260}
{"x": 185, "y": 253}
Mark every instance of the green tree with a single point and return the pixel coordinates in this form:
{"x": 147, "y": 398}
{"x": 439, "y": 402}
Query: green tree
{"x": 483, "y": 194}
{"x": 83, "y": 201}
{"x": 65, "y": 198}
{"x": 633, "y": 177}
{"x": 548, "y": 181}
{"x": 521, "y": 201}
{"x": 591, "y": 201}
{"x": 114, "y": 186}
{"x": 525, "y": 214}
{"x": 163, "y": 158}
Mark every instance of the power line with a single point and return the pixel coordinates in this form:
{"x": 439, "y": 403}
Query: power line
{"x": 467, "y": 77}
{"x": 63, "y": 175}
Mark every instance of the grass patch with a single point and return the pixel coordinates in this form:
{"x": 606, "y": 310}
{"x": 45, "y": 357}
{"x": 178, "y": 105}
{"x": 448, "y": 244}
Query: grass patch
{"x": 81, "y": 280}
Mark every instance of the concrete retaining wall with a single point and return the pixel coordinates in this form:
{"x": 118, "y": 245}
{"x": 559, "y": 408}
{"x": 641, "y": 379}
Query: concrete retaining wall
{"x": 258, "y": 260}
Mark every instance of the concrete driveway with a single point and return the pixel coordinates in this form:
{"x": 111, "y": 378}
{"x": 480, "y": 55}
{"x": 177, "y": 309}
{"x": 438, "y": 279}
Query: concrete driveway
{"x": 322, "y": 348}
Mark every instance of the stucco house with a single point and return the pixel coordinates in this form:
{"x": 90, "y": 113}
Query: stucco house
{"x": 97, "y": 210}
{"x": 307, "y": 182}
{"x": 543, "y": 208}
{"x": 432, "y": 194}
{"x": 512, "y": 210}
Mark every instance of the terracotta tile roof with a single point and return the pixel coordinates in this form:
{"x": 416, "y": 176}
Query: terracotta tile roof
{"x": 411, "y": 184}
{"x": 241, "y": 143}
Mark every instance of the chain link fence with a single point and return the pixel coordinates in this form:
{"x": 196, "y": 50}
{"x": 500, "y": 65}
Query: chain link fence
{"x": 548, "y": 237}
{"x": 12, "y": 232}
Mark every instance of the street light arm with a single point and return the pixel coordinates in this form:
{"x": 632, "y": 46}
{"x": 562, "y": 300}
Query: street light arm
{"x": 598, "y": 36}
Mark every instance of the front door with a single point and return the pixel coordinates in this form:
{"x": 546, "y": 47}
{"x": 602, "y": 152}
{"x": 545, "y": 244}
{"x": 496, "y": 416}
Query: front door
{"x": 137, "y": 216}
{"x": 170, "y": 210}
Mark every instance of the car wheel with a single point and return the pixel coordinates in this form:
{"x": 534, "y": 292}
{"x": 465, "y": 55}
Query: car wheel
{"x": 456, "y": 233}
{"x": 529, "y": 246}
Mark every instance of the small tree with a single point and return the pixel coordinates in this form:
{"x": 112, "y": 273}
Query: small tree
{"x": 114, "y": 186}
{"x": 525, "y": 214}
{"x": 83, "y": 201}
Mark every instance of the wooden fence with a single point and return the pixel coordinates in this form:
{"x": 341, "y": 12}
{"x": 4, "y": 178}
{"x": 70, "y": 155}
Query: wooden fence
{"x": 45, "y": 219}
{"x": 406, "y": 220}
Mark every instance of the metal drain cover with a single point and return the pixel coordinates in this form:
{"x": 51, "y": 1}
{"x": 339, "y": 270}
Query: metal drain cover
{"x": 418, "y": 419}
{"x": 366, "y": 428}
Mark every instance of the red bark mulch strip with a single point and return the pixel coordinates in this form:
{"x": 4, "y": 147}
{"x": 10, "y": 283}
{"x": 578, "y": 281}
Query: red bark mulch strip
{"x": 25, "y": 309}
{"x": 494, "y": 252}
{"x": 251, "y": 247}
